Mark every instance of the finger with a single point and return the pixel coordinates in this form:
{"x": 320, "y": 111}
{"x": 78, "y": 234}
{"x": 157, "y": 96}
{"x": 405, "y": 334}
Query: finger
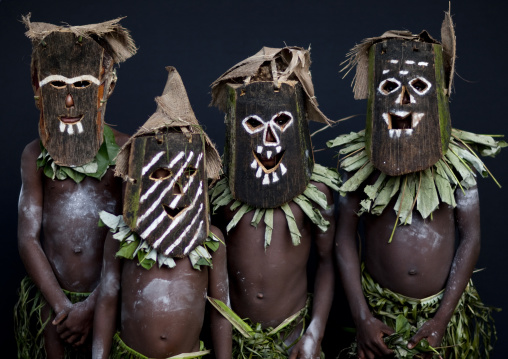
{"x": 387, "y": 330}
{"x": 81, "y": 341}
{"x": 60, "y": 317}
{"x": 72, "y": 338}
{"x": 415, "y": 339}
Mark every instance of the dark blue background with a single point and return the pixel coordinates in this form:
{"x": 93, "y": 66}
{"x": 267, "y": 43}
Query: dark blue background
{"x": 202, "y": 39}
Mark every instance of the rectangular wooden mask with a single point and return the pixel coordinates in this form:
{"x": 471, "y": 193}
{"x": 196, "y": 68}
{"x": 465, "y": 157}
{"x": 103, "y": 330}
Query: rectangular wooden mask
{"x": 408, "y": 119}
{"x": 269, "y": 157}
{"x": 166, "y": 204}
{"x": 70, "y": 83}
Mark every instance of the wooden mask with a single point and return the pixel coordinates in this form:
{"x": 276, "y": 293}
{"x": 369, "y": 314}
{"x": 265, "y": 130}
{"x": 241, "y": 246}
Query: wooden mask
{"x": 268, "y": 153}
{"x": 408, "y": 119}
{"x": 72, "y": 84}
{"x": 166, "y": 204}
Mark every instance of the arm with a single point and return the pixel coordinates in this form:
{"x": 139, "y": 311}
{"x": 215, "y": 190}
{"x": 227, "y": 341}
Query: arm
{"x": 29, "y": 229}
{"x": 219, "y": 289}
{"x": 310, "y": 344}
{"x": 370, "y": 331}
{"x": 107, "y": 302}
{"x": 467, "y": 218}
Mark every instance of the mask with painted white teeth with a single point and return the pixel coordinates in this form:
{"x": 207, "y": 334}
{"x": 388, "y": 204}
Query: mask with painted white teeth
{"x": 72, "y": 81}
{"x": 166, "y": 204}
{"x": 408, "y": 123}
{"x": 268, "y": 153}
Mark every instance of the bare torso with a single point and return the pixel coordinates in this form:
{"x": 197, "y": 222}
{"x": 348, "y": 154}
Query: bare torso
{"x": 162, "y": 309}
{"x": 267, "y": 286}
{"x": 72, "y": 239}
{"x": 418, "y": 260}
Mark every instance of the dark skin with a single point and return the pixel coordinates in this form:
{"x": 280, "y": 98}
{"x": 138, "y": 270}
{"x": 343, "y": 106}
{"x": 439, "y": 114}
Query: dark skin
{"x": 61, "y": 245}
{"x": 161, "y": 309}
{"x": 268, "y": 286}
{"x": 420, "y": 261}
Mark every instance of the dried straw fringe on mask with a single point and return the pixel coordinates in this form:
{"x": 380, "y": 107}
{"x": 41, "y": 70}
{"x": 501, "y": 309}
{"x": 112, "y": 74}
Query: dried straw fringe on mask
{"x": 358, "y": 56}
{"x": 286, "y": 64}
{"x": 118, "y": 41}
{"x": 173, "y": 110}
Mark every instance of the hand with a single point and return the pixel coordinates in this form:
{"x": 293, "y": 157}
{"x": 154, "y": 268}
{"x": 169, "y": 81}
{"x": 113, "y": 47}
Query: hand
{"x": 308, "y": 347}
{"x": 432, "y": 330}
{"x": 74, "y": 323}
{"x": 369, "y": 338}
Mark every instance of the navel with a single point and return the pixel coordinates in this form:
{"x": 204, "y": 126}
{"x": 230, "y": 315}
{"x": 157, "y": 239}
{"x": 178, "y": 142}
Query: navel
{"x": 78, "y": 250}
{"x": 260, "y": 295}
{"x": 164, "y": 337}
{"x": 412, "y": 272}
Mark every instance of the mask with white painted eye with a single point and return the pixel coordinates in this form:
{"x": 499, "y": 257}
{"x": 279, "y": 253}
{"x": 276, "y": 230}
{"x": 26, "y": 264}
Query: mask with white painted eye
{"x": 71, "y": 79}
{"x": 271, "y": 145}
{"x": 406, "y": 127}
{"x": 167, "y": 204}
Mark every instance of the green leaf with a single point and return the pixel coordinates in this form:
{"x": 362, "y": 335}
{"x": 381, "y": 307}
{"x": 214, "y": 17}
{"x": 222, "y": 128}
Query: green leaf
{"x": 268, "y": 219}
{"x": 427, "y": 201}
{"x": 293, "y": 227}
{"x": 232, "y": 317}
{"x": 314, "y": 215}
{"x": 347, "y": 138}
{"x": 314, "y": 194}
{"x": 127, "y": 250}
{"x": 357, "y": 179}
{"x": 256, "y": 218}
{"x": 110, "y": 220}
{"x": 238, "y": 216}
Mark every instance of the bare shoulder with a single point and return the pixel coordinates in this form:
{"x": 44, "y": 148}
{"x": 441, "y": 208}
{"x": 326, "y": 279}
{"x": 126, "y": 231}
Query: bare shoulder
{"x": 325, "y": 189}
{"x": 120, "y": 137}
{"x": 217, "y": 232}
{"x": 31, "y": 151}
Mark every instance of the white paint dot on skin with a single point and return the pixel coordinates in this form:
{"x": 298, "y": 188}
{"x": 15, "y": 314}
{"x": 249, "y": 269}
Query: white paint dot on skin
{"x": 410, "y": 62}
{"x": 278, "y": 148}
{"x": 394, "y": 61}
{"x": 62, "y": 127}
{"x": 266, "y": 179}
{"x": 254, "y": 164}
{"x": 259, "y": 149}
{"x": 283, "y": 169}
{"x": 275, "y": 178}
{"x": 70, "y": 130}
{"x": 259, "y": 172}
{"x": 79, "y": 125}
{"x": 403, "y": 72}
{"x": 386, "y": 71}
{"x": 268, "y": 154}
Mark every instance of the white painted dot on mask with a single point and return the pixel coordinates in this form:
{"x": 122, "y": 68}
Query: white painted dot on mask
{"x": 275, "y": 178}
{"x": 278, "y": 148}
{"x": 283, "y": 169}
{"x": 259, "y": 149}
{"x": 269, "y": 154}
{"x": 254, "y": 164}
{"x": 266, "y": 179}
{"x": 259, "y": 172}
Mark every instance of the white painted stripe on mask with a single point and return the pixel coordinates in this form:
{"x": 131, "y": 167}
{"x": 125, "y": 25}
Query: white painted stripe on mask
{"x": 410, "y": 62}
{"x": 182, "y": 235}
{"x": 150, "y": 191}
{"x": 386, "y": 71}
{"x": 69, "y": 81}
{"x": 152, "y": 162}
{"x": 254, "y": 164}
{"x": 62, "y": 127}
{"x": 194, "y": 239}
{"x": 70, "y": 130}
{"x": 79, "y": 125}
{"x": 283, "y": 169}
{"x": 153, "y": 225}
{"x": 163, "y": 193}
{"x": 275, "y": 178}
{"x": 423, "y": 63}
{"x": 177, "y": 158}
{"x": 394, "y": 61}
{"x": 259, "y": 172}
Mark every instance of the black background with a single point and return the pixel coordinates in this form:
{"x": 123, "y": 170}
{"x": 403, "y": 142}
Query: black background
{"x": 202, "y": 39}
